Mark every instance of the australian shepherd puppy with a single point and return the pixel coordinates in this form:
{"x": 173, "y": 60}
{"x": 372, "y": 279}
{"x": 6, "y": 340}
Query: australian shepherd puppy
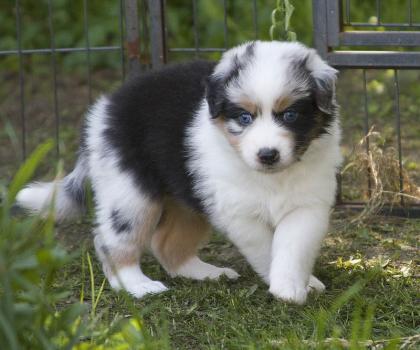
{"x": 248, "y": 146}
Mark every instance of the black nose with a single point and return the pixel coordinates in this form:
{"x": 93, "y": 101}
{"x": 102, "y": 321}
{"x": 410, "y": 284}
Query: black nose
{"x": 268, "y": 156}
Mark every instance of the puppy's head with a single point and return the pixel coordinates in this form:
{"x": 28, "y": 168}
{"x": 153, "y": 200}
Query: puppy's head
{"x": 271, "y": 100}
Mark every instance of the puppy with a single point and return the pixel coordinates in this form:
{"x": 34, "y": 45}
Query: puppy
{"x": 248, "y": 146}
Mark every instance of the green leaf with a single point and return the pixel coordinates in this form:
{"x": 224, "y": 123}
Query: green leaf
{"x": 25, "y": 263}
{"x": 26, "y": 171}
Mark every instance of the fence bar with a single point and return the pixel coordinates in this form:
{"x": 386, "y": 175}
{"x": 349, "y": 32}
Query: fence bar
{"x": 61, "y": 50}
{"x": 319, "y": 16}
{"x": 54, "y": 70}
{"x": 378, "y": 11}
{"x": 413, "y": 212}
{"x": 87, "y": 41}
{"x": 132, "y": 29}
{"x": 366, "y": 130}
{"x": 197, "y": 50}
{"x": 410, "y": 12}
{"x": 255, "y": 13}
{"x": 225, "y": 28}
{"x": 389, "y": 25}
{"x": 339, "y": 194}
{"x": 195, "y": 25}
{"x": 398, "y": 130}
{"x": 374, "y": 59}
{"x": 333, "y": 21}
{"x": 369, "y": 38}
{"x": 144, "y": 28}
{"x": 121, "y": 24}
{"x": 21, "y": 79}
{"x": 348, "y": 12}
{"x": 157, "y": 32}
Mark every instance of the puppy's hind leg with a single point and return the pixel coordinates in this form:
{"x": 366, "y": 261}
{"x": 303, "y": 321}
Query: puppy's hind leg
{"x": 177, "y": 240}
{"x": 126, "y": 219}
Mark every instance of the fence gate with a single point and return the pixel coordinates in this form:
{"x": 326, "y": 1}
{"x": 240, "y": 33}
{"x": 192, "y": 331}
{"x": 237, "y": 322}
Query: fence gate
{"x": 385, "y": 45}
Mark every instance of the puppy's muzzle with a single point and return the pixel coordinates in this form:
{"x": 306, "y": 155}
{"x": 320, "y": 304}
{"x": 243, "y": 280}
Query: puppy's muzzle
{"x": 268, "y": 156}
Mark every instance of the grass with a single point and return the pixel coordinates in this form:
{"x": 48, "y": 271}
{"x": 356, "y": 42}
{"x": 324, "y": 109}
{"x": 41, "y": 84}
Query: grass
{"x": 379, "y": 257}
{"x": 369, "y": 267}
{"x": 53, "y": 294}
{"x": 373, "y": 263}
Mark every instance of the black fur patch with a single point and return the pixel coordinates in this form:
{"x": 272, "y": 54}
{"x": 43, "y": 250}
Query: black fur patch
{"x": 215, "y": 95}
{"x": 216, "y": 86}
{"x": 105, "y": 250}
{"x": 147, "y": 120}
{"x": 119, "y": 223}
{"x": 316, "y": 112}
{"x": 239, "y": 63}
{"x": 74, "y": 183}
{"x": 310, "y": 124}
{"x": 324, "y": 93}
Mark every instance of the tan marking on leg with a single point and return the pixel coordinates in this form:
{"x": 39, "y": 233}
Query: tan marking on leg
{"x": 148, "y": 223}
{"x": 178, "y": 235}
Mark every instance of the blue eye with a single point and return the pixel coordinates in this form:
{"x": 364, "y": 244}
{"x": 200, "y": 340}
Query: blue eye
{"x": 245, "y": 119}
{"x": 290, "y": 116}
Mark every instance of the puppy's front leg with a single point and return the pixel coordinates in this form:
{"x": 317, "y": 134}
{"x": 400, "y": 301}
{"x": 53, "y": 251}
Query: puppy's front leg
{"x": 296, "y": 244}
{"x": 253, "y": 239}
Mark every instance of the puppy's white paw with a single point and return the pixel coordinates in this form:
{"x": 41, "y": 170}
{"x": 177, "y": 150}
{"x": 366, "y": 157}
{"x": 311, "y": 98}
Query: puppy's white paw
{"x": 315, "y": 285}
{"x": 289, "y": 291}
{"x": 197, "y": 269}
{"x": 141, "y": 289}
{"x": 132, "y": 280}
{"x": 229, "y": 273}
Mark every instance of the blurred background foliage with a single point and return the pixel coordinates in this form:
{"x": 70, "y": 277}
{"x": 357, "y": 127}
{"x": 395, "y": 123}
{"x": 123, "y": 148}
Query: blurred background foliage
{"x": 104, "y": 26}
{"x": 104, "y": 29}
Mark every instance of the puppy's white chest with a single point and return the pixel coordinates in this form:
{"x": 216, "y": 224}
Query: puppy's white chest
{"x": 251, "y": 198}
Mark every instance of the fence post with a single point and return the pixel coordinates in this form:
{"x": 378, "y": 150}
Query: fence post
{"x": 132, "y": 42}
{"x": 157, "y": 32}
{"x": 319, "y": 10}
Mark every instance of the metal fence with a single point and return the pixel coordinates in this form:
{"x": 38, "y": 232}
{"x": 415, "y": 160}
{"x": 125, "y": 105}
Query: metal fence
{"x": 143, "y": 42}
{"x": 128, "y": 7}
{"x": 334, "y": 29}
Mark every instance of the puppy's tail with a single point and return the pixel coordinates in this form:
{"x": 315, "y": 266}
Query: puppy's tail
{"x": 66, "y": 196}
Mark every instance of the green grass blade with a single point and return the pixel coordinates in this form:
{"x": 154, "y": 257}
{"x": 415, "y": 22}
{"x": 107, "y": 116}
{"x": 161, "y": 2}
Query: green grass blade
{"x": 99, "y": 296}
{"x": 26, "y": 171}
{"x": 9, "y": 333}
{"x": 356, "y": 326}
{"x": 92, "y": 283}
{"x": 83, "y": 274}
{"x": 368, "y": 323}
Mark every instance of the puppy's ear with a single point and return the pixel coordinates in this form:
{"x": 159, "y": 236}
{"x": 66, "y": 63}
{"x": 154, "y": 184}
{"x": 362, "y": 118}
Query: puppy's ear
{"x": 325, "y": 93}
{"x": 215, "y": 95}
{"x": 325, "y": 77}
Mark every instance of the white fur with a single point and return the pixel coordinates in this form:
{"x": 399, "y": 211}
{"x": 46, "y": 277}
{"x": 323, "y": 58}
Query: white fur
{"x": 293, "y": 203}
{"x": 264, "y": 133}
{"x": 41, "y": 197}
{"x": 132, "y": 279}
{"x": 315, "y": 285}
{"x": 277, "y": 220}
{"x": 112, "y": 186}
{"x": 199, "y": 270}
